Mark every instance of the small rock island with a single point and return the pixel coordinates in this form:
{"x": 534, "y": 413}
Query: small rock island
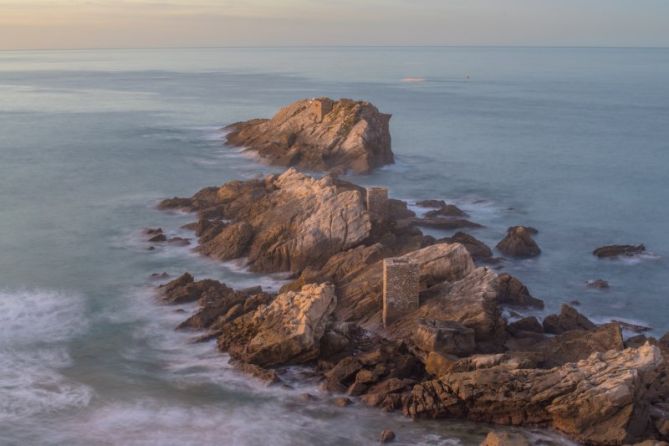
{"x": 319, "y": 134}
{"x": 394, "y": 318}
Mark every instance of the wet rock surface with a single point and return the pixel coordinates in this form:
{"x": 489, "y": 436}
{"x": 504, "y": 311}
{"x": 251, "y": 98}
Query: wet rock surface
{"x": 319, "y": 134}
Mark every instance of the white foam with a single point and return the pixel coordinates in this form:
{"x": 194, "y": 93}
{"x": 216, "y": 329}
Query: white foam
{"x": 34, "y": 325}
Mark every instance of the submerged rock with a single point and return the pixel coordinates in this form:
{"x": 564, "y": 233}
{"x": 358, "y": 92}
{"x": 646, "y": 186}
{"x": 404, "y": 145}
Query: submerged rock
{"x": 519, "y": 243}
{"x": 619, "y": 251}
{"x": 598, "y": 283}
{"x": 319, "y": 134}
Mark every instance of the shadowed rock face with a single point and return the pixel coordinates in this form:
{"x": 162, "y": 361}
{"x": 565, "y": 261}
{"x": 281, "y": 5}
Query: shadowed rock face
{"x": 319, "y": 134}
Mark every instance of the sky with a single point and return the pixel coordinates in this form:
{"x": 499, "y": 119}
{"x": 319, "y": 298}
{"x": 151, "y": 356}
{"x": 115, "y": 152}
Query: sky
{"x": 48, "y": 24}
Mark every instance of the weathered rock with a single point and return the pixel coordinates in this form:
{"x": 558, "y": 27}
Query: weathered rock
{"x": 599, "y": 283}
{"x": 184, "y": 289}
{"x": 568, "y": 319}
{"x": 289, "y": 330}
{"x": 519, "y": 243}
{"x": 512, "y": 292}
{"x": 444, "y": 337}
{"x": 319, "y": 134}
{"x": 266, "y": 375}
{"x": 281, "y": 223}
{"x": 496, "y": 438}
{"x": 476, "y": 248}
{"x": 599, "y": 400}
{"x": 619, "y": 251}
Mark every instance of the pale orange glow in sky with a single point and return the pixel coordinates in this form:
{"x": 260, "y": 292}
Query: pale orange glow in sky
{"x": 36, "y": 24}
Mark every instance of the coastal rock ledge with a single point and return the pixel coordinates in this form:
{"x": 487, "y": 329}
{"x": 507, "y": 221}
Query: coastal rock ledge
{"x": 319, "y": 134}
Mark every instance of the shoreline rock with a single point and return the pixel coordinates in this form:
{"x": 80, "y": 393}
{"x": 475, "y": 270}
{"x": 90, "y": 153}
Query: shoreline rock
{"x": 612, "y": 251}
{"x": 519, "y": 242}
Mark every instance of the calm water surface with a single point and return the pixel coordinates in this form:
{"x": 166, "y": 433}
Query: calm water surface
{"x": 572, "y": 141}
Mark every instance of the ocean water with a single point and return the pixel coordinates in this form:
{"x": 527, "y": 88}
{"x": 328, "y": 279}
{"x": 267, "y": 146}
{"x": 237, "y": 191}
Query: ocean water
{"x": 574, "y": 142}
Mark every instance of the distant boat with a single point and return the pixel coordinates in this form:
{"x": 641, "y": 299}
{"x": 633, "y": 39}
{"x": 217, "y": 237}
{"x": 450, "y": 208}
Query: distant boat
{"x": 413, "y": 79}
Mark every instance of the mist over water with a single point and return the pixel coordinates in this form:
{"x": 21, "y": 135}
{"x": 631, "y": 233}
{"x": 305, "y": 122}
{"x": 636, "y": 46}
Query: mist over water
{"x": 571, "y": 141}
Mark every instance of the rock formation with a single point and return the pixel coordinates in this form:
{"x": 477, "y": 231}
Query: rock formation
{"x": 619, "y": 251}
{"x": 319, "y": 134}
{"x": 519, "y": 242}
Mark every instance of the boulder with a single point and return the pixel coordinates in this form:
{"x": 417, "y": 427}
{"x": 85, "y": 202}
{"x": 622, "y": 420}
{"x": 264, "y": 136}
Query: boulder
{"x": 476, "y": 248}
{"x": 319, "y": 134}
{"x": 387, "y": 436}
{"x": 185, "y": 289}
{"x": 287, "y": 331}
{"x": 447, "y": 210}
{"x": 568, "y": 319}
{"x": 519, "y": 243}
{"x": 599, "y": 400}
{"x": 618, "y": 251}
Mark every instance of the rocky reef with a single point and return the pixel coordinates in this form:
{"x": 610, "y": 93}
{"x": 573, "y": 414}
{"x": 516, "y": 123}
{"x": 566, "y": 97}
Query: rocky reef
{"x": 453, "y": 351}
{"x": 319, "y": 134}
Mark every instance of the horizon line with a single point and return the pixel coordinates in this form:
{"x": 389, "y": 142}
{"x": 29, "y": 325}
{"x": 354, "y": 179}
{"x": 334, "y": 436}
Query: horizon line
{"x": 340, "y": 46}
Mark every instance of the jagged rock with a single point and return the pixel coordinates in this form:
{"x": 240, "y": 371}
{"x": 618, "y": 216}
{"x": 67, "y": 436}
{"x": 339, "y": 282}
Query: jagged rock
{"x": 519, "y": 243}
{"x": 599, "y": 400}
{"x": 184, "y": 289}
{"x": 476, "y": 248}
{"x": 618, "y": 251}
{"x": 636, "y": 328}
{"x": 281, "y": 223}
{"x": 158, "y": 238}
{"x": 496, "y": 438}
{"x": 289, "y": 330}
{"x": 568, "y": 319}
{"x": 444, "y": 337}
{"x": 512, "y": 292}
{"x": 599, "y": 283}
{"x": 470, "y": 301}
{"x": 319, "y": 134}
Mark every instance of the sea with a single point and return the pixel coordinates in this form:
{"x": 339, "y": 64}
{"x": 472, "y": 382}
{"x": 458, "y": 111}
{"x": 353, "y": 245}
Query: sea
{"x": 571, "y": 141}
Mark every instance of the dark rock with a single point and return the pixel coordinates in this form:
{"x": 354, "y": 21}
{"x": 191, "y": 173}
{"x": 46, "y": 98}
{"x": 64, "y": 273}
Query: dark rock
{"x": 568, "y": 319}
{"x": 435, "y": 204}
{"x": 179, "y": 241}
{"x": 599, "y": 283}
{"x": 445, "y": 223}
{"x": 387, "y": 436}
{"x": 320, "y": 134}
{"x": 519, "y": 243}
{"x": 476, "y": 248}
{"x": 230, "y": 243}
{"x": 632, "y": 327}
{"x": 574, "y": 303}
{"x": 159, "y": 276}
{"x": 266, "y": 375}
{"x": 158, "y": 238}
{"x": 175, "y": 203}
{"x": 512, "y": 292}
{"x": 152, "y": 231}
{"x": 447, "y": 210}
{"x": 526, "y": 324}
{"x": 619, "y": 250}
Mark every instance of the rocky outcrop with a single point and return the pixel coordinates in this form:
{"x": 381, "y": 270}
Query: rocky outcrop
{"x": 280, "y": 223}
{"x": 619, "y": 251}
{"x": 287, "y": 331}
{"x": 568, "y": 319}
{"x": 319, "y": 134}
{"x": 599, "y": 400}
{"x": 513, "y": 293}
{"x": 519, "y": 243}
{"x": 476, "y": 248}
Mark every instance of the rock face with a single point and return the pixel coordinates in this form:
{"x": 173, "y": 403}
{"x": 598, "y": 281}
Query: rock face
{"x": 281, "y": 223}
{"x": 519, "y": 243}
{"x": 568, "y": 319}
{"x": 618, "y": 251}
{"x": 320, "y": 134}
{"x": 288, "y": 331}
{"x": 477, "y": 249}
{"x": 599, "y": 400}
